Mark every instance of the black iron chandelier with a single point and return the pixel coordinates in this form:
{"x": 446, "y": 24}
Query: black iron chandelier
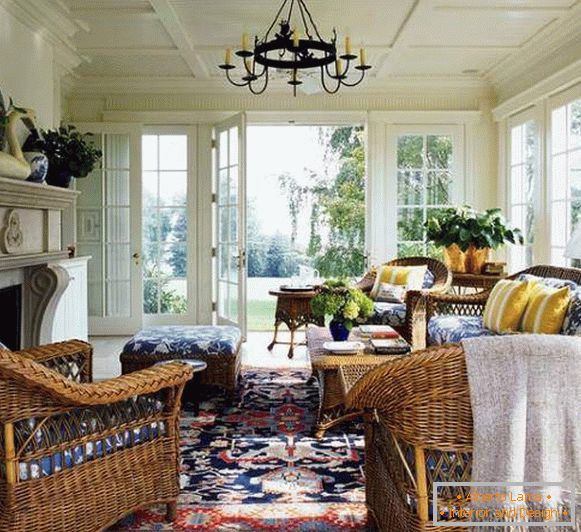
{"x": 295, "y": 51}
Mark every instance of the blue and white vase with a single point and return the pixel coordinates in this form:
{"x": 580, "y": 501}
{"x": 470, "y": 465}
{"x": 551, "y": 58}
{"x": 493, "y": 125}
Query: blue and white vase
{"x": 38, "y": 164}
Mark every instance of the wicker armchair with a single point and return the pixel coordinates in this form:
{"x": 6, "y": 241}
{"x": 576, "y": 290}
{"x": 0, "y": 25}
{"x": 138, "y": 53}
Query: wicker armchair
{"x": 79, "y": 456}
{"x": 418, "y": 431}
{"x": 435, "y": 304}
{"x": 442, "y": 282}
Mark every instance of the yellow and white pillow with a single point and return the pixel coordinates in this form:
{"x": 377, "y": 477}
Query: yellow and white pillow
{"x": 546, "y": 309}
{"x": 412, "y": 277}
{"x": 506, "y": 305}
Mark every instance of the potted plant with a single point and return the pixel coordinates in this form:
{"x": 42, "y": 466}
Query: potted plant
{"x": 70, "y": 154}
{"x": 468, "y": 236}
{"x": 347, "y": 305}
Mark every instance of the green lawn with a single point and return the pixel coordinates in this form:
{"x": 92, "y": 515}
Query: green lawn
{"x": 261, "y": 315}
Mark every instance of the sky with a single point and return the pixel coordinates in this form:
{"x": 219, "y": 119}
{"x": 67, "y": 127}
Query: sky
{"x": 272, "y": 151}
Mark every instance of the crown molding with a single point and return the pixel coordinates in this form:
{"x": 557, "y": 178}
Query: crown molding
{"x": 53, "y": 20}
{"x": 538, "y": 50}
{"x": 558, "y": 82}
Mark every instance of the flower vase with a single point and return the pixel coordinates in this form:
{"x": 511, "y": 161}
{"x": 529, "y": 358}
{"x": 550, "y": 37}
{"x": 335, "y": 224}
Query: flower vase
{"x": 339, "y": 332}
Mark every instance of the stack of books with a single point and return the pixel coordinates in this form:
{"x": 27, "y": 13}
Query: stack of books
{"x": 384, "y": 339}
{"x": 390, "y": 346}
{"x": 378, "y": 332}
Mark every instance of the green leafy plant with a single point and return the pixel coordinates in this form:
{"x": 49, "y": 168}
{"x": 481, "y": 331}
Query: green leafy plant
{"x": 68, "y": 151}
{"x": 344, "y": 303}
{"x": 464, "y": 226}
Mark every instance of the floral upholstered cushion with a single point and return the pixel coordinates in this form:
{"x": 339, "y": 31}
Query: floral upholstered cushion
{"x": 429, "y": 280}
{"x": 451, "y": 329}
{"x": 572, "y": 322}
{"x": 48, "y": 465}
{"x": 388, "y": 314}
{"x": 186, "y": 341}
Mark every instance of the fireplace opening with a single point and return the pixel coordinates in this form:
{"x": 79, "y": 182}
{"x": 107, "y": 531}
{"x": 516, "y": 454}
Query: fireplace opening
{"x": 11, "y": 322}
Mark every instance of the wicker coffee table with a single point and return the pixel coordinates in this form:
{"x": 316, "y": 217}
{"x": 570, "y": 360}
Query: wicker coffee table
{"x": 328, "y": 369}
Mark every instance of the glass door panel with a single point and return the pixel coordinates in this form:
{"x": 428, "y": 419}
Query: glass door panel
{"x": 105, "y": 225}
{"x": 165, "y": 227}
{"x": 230, "y": 222}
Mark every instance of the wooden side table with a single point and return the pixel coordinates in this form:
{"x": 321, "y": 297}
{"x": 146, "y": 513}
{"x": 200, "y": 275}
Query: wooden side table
{"x": 294, "y": 310}
{"x": 474, "y": 282}
{"x": 328, "y": 368}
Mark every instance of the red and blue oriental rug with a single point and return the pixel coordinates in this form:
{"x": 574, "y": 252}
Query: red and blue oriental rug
{"x": 255, "y": 466}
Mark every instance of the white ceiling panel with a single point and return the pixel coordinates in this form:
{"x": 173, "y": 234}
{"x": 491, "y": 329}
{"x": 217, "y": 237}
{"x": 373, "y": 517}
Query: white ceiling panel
{"x": 123, "y": 31}
{"x": 477, "y": 27}
{"x": 135, "y": 66}
{"x": 222, "y": 22}
{"x": 442, "y": 62}
{"x": 85, "y": 5}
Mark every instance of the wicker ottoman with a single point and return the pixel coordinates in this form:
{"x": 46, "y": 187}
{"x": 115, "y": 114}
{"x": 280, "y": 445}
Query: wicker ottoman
{"x": 218, "y": 346}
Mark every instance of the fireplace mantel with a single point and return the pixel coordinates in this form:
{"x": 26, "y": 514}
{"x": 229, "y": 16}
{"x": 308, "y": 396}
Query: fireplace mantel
{"x": 31, "y": 223}
{"x": 31, "y": 243}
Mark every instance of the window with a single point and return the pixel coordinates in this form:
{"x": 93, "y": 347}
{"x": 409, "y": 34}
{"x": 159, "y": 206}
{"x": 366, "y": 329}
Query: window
{"x": 165, "y": 224}
{"x": 424, "y": 186}
{"x": 565, "y": 187}
{"x": 523, "y": 176}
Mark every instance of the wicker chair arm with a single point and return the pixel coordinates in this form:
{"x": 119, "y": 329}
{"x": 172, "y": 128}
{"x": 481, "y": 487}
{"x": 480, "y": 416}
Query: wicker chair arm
{"x": 58, "y": 356}
{"x": 389, "y": 386}
{"x": 31, "y": 377}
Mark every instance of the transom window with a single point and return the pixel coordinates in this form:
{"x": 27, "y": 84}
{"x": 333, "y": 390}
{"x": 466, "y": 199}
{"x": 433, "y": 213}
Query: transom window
{"x": 424, "y": 186}
{"x": 565, "y": 177}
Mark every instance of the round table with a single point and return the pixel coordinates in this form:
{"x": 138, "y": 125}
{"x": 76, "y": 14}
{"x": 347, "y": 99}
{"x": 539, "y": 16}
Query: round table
{"x": 193, "y": 387}
{"x": 293, "y": 308}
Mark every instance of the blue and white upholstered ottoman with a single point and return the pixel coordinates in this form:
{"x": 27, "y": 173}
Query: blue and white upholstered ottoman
{"x": 217, "y": 345}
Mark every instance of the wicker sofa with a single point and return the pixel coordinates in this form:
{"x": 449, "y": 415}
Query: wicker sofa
{"x": 402, "y": 316}
{"x": 418, "y": 430}
{"x": 79, "y": 456}
{"x": 448, "y": 318}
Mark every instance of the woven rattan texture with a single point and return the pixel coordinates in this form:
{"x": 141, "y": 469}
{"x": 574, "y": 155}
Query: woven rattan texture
{"x": 44, "y": 413}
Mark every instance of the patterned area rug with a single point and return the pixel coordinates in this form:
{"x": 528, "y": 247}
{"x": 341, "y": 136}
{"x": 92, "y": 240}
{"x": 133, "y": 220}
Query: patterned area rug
{"x": 254, "y": 466}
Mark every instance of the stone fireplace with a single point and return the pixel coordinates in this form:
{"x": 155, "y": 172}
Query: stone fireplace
{"x": 31, "y": 224}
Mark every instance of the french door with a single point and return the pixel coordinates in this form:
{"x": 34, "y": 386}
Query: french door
{"x": 230, "y": 221}
{"x": 109, "y": 230}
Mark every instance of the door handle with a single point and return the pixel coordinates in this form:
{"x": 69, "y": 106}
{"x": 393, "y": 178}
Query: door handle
{"x": 136, "y": 256}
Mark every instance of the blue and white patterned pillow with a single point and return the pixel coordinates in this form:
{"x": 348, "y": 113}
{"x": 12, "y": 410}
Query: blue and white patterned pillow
{"x": 553, "y": 282}
{"x": 572, "y": 321}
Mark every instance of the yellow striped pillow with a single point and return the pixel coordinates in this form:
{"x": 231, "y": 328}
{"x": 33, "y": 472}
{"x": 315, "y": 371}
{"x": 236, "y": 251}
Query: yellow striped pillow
{"x": 412, "y": 277}
{"x": 506, "y": 305}
{"x": 545, "y": 310}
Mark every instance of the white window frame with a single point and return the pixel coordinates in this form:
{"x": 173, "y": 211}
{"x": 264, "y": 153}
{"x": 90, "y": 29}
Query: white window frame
{"x": 554, "y": 102}
{"x": 191, "y": 316}
{"x": 535, "y": 115}
{"x": 458, "y": 195}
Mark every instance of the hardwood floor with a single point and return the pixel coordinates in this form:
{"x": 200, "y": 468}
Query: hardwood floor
{"x": 254, "y": 354}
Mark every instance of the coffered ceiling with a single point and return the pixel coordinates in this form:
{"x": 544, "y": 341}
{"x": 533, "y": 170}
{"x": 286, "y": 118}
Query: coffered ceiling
{"x": 177, "y": 44}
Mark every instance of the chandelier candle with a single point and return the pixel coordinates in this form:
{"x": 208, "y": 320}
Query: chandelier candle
{"x": 297, "y": 47}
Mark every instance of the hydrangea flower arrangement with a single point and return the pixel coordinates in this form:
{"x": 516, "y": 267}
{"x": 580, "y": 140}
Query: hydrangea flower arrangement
{"x": 346, "y": 304}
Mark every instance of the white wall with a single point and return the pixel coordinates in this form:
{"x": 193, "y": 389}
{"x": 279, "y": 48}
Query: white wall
{"x": 27, "y": 72}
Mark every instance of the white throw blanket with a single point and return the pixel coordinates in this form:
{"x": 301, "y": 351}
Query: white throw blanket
{"x": 526, "y": 404}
